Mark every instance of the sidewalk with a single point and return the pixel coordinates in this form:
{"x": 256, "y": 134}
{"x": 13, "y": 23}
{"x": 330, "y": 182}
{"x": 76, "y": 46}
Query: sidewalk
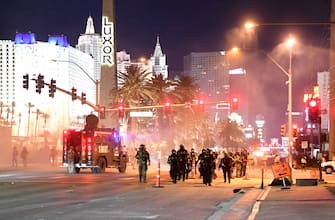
{"x": 275, "y": 202}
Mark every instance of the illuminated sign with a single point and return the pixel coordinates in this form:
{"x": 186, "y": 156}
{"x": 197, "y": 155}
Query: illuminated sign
{"x": 141, "y": 114}
{"x": 25, "y": 38}
{"x": 107, "y": 49}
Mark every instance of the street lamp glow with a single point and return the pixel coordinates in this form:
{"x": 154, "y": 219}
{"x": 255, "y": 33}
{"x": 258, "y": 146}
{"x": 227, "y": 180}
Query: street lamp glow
{"x": 290, "y": 42}
{"x": 235, "y": 49}
{"x": 249, "y": 25}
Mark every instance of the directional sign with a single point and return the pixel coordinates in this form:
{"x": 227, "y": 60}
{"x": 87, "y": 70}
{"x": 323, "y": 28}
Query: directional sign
{"x": 281, "y": 170}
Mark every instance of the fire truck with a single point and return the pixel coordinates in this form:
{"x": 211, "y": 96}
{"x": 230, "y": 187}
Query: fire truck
{"x": 94, "y": 148}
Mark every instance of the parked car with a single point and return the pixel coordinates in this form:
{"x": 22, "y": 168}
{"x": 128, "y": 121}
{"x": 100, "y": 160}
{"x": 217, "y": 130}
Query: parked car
{"x": 328, "y": 166}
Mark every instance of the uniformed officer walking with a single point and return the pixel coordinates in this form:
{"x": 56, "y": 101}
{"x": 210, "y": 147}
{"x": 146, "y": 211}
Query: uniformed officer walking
{"x": 143, "y": 161}
{"x": 173, "y": 161}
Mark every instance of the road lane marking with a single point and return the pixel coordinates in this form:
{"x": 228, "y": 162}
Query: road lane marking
{"x": 255, "y": 208}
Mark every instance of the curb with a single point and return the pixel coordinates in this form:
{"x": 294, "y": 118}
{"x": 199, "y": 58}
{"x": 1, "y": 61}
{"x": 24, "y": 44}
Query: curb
{"x": 240, "y": 206}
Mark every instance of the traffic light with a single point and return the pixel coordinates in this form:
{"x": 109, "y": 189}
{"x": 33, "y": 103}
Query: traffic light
{"x": 74, "y": 93}
{"x": 283, "y": 130}
{"x": 52, "y": 88}
{"x": 314, "y": 109}
{"x": 167, "y": 107}
{"x": 201, "y": 105}
{"x": 234, "y": 104}
{"x": 102, "y": 112}
{"x": 39, "y": 83}
{"x": 83, "y": 98}
{"x": 26, "y": 81}
{"x": 121, "y": 110}
{"x": 294, "y": 131}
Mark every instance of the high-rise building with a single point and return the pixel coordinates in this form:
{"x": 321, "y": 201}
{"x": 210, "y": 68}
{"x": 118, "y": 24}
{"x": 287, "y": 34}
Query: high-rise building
{"x": 323, "y": 83}
{"x": 34, "y": 113}
{"x": 90, "y": 43}
{"x": 211, "y": 72}
{"x": 158, "y": 61}
{"x": 239, "y": 90}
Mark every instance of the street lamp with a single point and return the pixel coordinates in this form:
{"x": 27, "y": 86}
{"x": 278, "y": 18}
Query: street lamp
{"x": 290, "y": 43}
{"x": 96, "y": 82}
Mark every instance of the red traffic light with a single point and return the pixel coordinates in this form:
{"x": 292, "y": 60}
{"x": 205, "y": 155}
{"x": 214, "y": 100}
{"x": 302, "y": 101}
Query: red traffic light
{"x": 102, "y": 112}
{"x": 312, "y": 103}
{"x": 121, "y": 110}
{"x": 234, "y": 104}
{"x": 314, "y": 110}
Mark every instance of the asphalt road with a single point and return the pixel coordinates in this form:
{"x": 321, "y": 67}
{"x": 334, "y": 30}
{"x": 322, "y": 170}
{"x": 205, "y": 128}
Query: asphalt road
{"x": 45, "y": 192}
{"x": 53, "y": 194}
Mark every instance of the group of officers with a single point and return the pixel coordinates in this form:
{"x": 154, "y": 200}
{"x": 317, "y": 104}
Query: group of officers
{"x": 183, "y": 162}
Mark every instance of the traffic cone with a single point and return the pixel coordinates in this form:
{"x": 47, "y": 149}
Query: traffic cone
{"x": 158, "y": 175}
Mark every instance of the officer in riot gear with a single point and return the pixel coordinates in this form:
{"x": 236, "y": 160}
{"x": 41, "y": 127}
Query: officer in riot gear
{"x": 173, "y": 161}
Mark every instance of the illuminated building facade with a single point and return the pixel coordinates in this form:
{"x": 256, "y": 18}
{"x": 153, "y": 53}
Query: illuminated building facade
{"x": 323, "y": 83}
{"x": 158, "y": 61}
{"x": 90, "y": 43}
{"x": 36, "y": 113}
{"x": 211, "y": 72}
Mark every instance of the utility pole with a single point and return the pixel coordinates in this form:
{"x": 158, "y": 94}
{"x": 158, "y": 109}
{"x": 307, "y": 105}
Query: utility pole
{"x": 332, "y": 82}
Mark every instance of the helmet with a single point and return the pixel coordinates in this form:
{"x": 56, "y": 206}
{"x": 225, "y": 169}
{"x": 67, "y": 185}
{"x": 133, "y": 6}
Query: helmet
{"x": 173, "y": 151}
{"x": 142, "y": 146}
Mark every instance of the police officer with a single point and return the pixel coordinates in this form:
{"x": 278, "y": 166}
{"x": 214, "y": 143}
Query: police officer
{"x": 143, "y": 161}
{"x": 182, "y": 162}
{"x": 193, "y": 158}
{"x": 226, "y": 165}
{"x": 207, "y": 167}
{"x": 200, "y": 161}
{"x": 71, "y": 155}
{"x": 173, "y": 161}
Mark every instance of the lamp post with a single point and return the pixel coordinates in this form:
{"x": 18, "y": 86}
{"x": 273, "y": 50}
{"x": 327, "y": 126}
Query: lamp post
{"x": 290, "y": 43}
{"x": 96, "y": 82}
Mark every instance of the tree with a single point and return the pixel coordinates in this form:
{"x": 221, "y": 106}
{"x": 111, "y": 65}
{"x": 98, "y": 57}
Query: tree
{"x": 186, "y": 89}
{"x": 230, "y": 134}
{"x": 136, "y": 89}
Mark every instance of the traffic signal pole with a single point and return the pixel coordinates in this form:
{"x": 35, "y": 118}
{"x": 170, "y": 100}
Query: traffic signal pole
{"x": 92, "y": 105}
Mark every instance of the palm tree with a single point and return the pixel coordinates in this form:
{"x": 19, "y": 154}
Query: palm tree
{"x": 188, "y": 121}
{"x": 163, "y": 88}
{"x": 230, "y": 134}
{"x": 136, "y": 90}
{"x": 186, "y": 89}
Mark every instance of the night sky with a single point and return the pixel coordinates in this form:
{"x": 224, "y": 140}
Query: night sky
{"x": 186, "y": 26}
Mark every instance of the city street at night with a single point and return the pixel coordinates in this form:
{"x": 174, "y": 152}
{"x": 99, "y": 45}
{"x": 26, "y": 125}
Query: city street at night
{"x": 192, "y": 109}
{"x": 51, "y": 193}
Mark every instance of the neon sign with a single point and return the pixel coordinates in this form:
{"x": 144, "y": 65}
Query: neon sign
{"x": 107, "y": 49}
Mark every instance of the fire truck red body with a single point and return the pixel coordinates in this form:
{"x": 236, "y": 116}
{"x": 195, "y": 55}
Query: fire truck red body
{"x": 96, "y": 149}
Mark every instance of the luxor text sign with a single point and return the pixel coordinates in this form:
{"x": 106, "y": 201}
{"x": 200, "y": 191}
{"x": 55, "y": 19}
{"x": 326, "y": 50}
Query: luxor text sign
{"x": 107, "y": 51}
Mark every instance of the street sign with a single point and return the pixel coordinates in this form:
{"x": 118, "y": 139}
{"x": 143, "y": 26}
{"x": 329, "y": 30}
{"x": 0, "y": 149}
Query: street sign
{"x": 147, "y": 114}
{"x": 281, "y": 170}
{"x": 304, "y": 144}
{"x": 223, "y": 106}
